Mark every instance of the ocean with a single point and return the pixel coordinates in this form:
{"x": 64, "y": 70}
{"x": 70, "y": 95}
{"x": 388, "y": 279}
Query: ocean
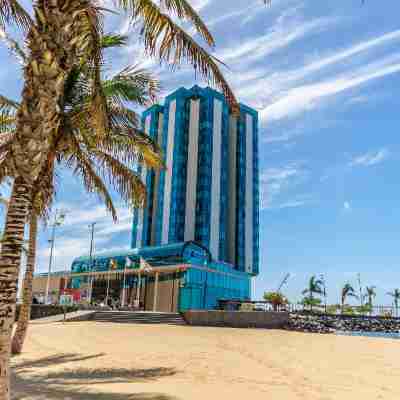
{"x": 391, "y": 335}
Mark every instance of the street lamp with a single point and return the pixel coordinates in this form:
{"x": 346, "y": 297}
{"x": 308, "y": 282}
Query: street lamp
{"x": 324, "y": 291}
{"x": 91, "y": 266}
{"x": 59, "y": 217}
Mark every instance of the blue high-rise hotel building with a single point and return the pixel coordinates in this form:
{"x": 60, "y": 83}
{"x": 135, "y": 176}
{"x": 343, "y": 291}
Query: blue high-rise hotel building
{"x": 209, "y": 191}
{"x": 199, "y": 227}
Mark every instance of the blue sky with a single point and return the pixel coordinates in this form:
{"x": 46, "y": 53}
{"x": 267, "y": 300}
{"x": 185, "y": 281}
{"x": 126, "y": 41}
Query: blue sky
{"x": 325, "y": 77}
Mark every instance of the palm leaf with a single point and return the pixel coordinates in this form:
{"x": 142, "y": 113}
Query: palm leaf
{"x": 14, "y": 47}
{"x": 84, "y": 168}
{"x": 8, "y": 105}
{"x": 113, "y": 40}
{"x": 170, "y": 43}
{"x": 127, "y": 183}
{"x": 185, "y": 11}
{"x": 12, "y": 12}
{"x": 132, "y": 84}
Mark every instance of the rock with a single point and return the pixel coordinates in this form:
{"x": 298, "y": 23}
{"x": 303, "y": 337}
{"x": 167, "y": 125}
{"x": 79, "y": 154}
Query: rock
{"x": 330, "y": 324}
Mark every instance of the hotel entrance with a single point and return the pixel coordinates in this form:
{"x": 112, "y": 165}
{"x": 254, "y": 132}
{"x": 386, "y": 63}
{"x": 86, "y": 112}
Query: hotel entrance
{"x": 155, "y": 290}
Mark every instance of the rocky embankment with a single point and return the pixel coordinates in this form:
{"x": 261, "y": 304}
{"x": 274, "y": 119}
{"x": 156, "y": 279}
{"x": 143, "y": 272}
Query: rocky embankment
{"x": 331, "y": 324}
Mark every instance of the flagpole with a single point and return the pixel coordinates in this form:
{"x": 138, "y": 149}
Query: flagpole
{"x": 138, "y": 289}
{"x": 123, "y": 286}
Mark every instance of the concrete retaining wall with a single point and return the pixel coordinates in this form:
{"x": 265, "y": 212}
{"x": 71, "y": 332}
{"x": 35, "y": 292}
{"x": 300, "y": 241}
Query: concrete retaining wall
{"x": 237, "y": 319}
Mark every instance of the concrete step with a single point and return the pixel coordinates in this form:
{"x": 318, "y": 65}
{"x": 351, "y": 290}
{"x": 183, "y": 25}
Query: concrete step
{"x": 138, "y": 317}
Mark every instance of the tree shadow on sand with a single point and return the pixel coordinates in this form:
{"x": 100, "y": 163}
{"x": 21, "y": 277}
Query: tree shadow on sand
{"x": 29, "y": 383}
{"x": 51, "y": 361}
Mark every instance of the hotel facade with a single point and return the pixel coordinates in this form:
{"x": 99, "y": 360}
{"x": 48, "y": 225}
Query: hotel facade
{"x": 201, "y": 216}
{"x": 209, "y": 191}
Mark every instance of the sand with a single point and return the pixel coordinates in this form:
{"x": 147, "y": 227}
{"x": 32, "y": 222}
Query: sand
{"x": 89, "y": 360}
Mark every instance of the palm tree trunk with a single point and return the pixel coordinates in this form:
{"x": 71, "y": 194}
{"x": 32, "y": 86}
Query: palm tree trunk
{"x": 25, "y": 311}
{"x": 9, "y": 267}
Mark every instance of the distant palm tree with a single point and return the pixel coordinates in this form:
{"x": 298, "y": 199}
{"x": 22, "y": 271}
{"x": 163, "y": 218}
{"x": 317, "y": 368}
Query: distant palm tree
{"x": 347, "y": 291}
{"x": 396, "y": 298}
{"x": 315, "y": 287}
{"x": 370, "y": 294}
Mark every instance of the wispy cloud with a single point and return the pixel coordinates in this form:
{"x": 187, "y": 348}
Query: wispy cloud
{"x": 346, "y": 206}
{"x": 276, "y": 182}
{"x": 307, "y": 97}
{"x": 73, "y": 237}
{"x": 370, "y": 158}
{"x": 277, "y": 38}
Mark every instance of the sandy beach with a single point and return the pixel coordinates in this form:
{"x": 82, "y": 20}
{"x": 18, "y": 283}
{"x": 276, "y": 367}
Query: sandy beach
{"x": 102, "y": 361}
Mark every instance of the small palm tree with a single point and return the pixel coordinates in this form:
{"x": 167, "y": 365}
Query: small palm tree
{"x": 315, "y": 287}
{"x": 370, "y": 294}
{"x": 347, "y": 291}
{"x": 396, "y": 299}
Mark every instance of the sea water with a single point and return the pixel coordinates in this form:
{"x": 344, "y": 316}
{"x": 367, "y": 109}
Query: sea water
{"x": 391, "y": 335}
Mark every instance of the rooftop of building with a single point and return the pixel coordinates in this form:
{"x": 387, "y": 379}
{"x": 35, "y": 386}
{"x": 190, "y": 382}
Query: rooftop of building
{"x": 165, "y": 255}
{"x": 198, "y": 90}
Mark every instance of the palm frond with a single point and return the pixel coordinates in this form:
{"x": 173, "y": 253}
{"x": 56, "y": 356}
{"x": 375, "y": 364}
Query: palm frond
{"x": 122, "y": 117}
{"x": 90, "y": 44}
{"x": 7, "y": 125}
{"x": 14, "y": 47}
{"x": 113, "y": 40}
{"x": 134, "y": 146}
{"x": 132, "y": 84}
{"x": 126, "y": 182}
{"x": 167, "y": 41}
{"x": 86, "y": 170}
{"x": 185, "y": 11}
{"x": 7, "y": 104}
{"x": 12, "y": 12}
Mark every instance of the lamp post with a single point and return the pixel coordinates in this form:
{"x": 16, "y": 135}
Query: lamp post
{"x": 59, "y": 217}
{"x": 324, "y": 291}
{"x": 91, "y": 277}
{"x": 360, "y": 289}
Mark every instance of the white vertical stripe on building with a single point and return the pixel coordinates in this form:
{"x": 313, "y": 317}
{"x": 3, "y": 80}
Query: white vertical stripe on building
{"x": 216, "y": 180}
{"x": 231, "y": 228}
{"x": 168, "y": 172}
{"x": 249, "y": 195}
{"x": 156, "y": 182}
{"x": 143, "y": 176}
{"x": 191, "y": 180}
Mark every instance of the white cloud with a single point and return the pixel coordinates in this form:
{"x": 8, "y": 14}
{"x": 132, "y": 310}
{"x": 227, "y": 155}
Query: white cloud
{"x": 370, "y": 158}
{"x": 278, "y": 38}
{"x": 73, "y": 237}
{"x": 304, "y": 98}
{"x": 274, "y": 182}
{"x": 281, "y": 93}
{"x": 346, "y": 206}
{"x": 296, "y": 202}
{"x": 198, "y": 5}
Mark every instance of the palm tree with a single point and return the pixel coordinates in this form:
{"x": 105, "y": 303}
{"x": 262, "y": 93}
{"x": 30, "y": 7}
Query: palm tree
{"x": 130, "y": 85}
{"x": 347, "y": 291}
{"x": 396, "y": 298}
{"x": 315, "y": 286}
{"x": 370, "y": 293}
{"x": 60, "y": 36}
